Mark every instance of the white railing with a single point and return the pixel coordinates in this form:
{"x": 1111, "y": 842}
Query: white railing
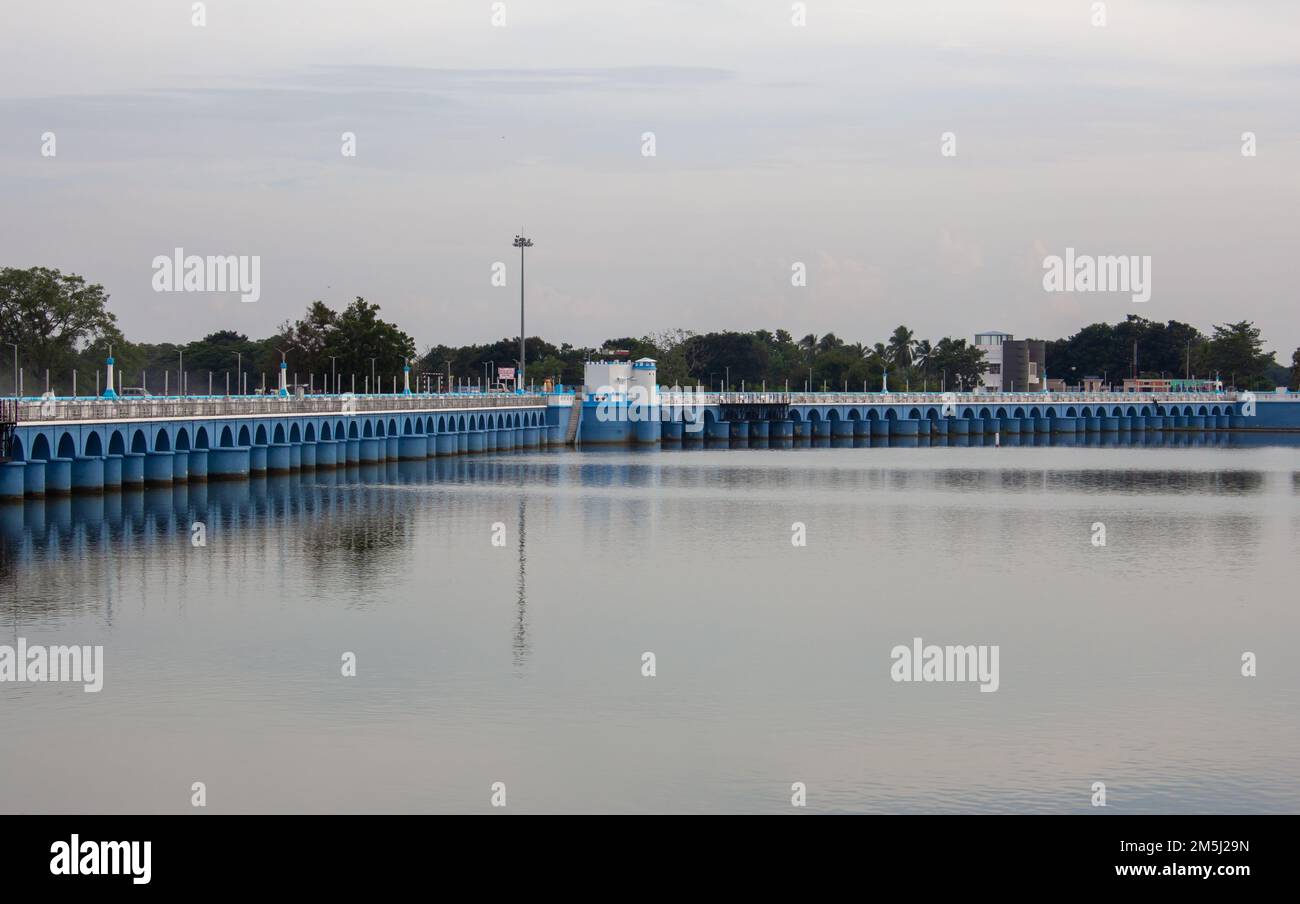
{"x": 43, "y": 410}
{"x": 981, "y": 399}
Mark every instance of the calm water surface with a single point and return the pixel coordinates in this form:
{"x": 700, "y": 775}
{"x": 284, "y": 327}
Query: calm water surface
{"x": 522, "y": 663}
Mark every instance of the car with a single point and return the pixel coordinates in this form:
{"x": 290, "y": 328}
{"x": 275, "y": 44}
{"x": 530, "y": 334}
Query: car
{"x": 135, "y": 392}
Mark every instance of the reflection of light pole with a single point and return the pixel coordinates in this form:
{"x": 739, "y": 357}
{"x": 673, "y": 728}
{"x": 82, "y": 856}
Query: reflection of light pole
{"x": 521, "y": 243}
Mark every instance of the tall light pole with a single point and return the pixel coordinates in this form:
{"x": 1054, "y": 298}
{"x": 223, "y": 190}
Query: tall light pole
{"x": 334, "y": 374}
{"x": 521, "y": 242}
{"x": 239, "y": 373}
{"x": 373, "y": 386}
{"x": 15, "y": 345}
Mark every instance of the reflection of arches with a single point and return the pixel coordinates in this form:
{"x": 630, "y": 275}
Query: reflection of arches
{"x": 67, "y": 446}
{"x": 278, "y": 436}
{"x": 182, "y": 440}
{"x": 245, "y": 439}
{"x": 94, "y": 446}
{"x": 138, "y": 443}
{"x": 116, "y": 444}
{"x": 260, "y": 438}
{"x": 201, "y": 438}
{"x": 40, "y": 448}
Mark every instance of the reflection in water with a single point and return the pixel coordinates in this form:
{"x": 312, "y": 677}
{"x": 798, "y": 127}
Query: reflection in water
{"x": 1119, "y": 664}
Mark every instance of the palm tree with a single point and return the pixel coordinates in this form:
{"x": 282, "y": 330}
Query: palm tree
{"x": 900, "y": 348}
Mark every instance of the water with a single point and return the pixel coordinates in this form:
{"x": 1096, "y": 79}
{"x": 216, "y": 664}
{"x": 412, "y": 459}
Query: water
{"x": 521, "y": 663}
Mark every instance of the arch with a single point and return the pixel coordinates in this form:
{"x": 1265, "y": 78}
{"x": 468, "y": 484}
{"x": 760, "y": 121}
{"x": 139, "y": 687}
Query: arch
{"x": 1070, "y": 412}
{"x": 138, "y": 443}
{"x": 795, "y": 415}
{"x": 278, "y": 436}
{"x": 162, "y": 441}
{"x": 442, "y": 424}
{"x": 201, "y": 438}
{"x": 1086, "y": 412}
{"x": 16, "y": 449}
{"x": 932, "y": 414}
{"x": 260, "y": 438}
{"x": 182, "y": 440}
{"x": 460, "y": 422}
{"x": 1116, "y": 412}
{"x": 339, "y": 430}
{"x": 326, "y": 433}
{"x": 1146, "y": 410}
{"x": 985, "y": 414}
{"x": 227, "y": 439}
{"x": 245, "y": 438}
{"x": 116, "y": 444}
{"x": 353, "y": 432}
{"x": 295, "y": 435}
{"x": 369, "y": 430}
{"x": 1215, "y": 410}
{"x": 814, "y": 414}
{"x": 832, "y": 415}
{"x": 1132, "y": 412}
{"x": 94, "y": 446}
{"x": 914, "y": 414}
{"x": 1227, "y": 409}
{"x": 855, "y": 415}
{"x": 1000, "y": 413}
{"x": 67, "y": 446}
{"x": 873, "y": 414}
{"x": 309, "y": 435}
{"x": 392, "y": 426}
{"x": 379, "y": 428}
{"x": 1019, "y": 412}
{"x": 406, "y": 427}
{"x": 40, "y": 448}
{"x": 1203, "y": 411}
{"x": 428, "y": 424}
{"x": 891, "y": 414}
{"x": 482, "y": 422}
{"x": 1034, "y": 412}
{"x": 968, "y": 413}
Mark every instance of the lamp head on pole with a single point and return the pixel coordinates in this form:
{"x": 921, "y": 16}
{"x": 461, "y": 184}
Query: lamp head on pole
{"x": 522, "y": 242}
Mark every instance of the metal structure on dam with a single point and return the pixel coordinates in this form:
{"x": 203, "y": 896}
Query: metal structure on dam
{"x": 64, "y": 446}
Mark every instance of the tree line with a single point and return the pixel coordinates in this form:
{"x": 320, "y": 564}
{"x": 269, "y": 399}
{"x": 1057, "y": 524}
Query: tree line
{"x": 61, "y": 324}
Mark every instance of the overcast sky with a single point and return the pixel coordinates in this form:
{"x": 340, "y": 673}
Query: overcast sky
{"x": 775, "y": 144}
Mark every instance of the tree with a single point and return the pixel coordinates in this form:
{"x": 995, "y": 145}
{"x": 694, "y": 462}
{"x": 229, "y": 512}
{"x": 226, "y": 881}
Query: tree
{"x": 1236, "y": 351}
{"x": 52, "y": 317}
{"x": 900, "y": 348}
{"x": 357, "y": 335}
{"x": 1295, "y": 369}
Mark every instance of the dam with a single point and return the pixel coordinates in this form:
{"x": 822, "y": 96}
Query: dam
{"x": 65, "y": 446}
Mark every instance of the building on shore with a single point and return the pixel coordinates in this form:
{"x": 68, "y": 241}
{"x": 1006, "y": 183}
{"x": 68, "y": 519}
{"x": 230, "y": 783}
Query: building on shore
{"x": 1014, "y": 365}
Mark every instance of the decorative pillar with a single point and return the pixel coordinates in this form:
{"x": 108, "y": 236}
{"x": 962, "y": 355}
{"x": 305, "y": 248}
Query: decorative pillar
{"x": 406, "y": 379}
{"x": 284, "y": 379}
{"x": 109, "y": 393}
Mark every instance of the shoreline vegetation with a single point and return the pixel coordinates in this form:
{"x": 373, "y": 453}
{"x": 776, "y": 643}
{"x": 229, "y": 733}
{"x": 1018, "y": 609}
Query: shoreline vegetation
{"x": 62, "y": 324}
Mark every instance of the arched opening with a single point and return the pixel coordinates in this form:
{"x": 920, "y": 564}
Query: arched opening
{"x": 1132, "y": 412}
{"x": 932, "y": 414}
{"x": 968, "y": 413}
{"x": 295, "y": 435}
{"x": 278, "y": 436}
{"x": 116, "y": 444}
{"x": 1001, "y": 412}
{"x": 854, "y": 415}
{"x": 406, "y": 427}
{"x": 368, "y": 431}
{"x": 392, "y": 427}
{"x": 873, "y": 414}
{"x": 1033, "y": 412}
{"x": 16, "y": 449}
{"x": 40, "y": 448}
{"x": 914, "y": 414}
{"x": 67, "y": 446}
{"x": 891, "y": 414}
{"x": 1051, "y": 412}
{"x": 984, "y": 414}
{"x": 460, "y": 423}
{"x": 227, "y": 440}
{"x": 353, "y": 432}
{"x": 260, "y": 438}
{"x": 326, "y": 433}
{"x": 182, "y": 440}
{"x": 1019, "y": 412}
{"x": 1203, "y": 411}
{"x": 162, "y": 442}
{"x": 201, "y": 438}
{"x": 339, "y": 432}
{"x": 1070, "y": 412}
{"x": 244, "y": 438}
{"x": 139, "y": 444}
{"x": 309, "y": 435}
{"x": 94, "y": 446}
{"x": 442, "y": 425}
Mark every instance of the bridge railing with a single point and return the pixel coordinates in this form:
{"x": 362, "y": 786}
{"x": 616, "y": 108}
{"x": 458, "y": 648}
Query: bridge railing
{"x": 44, "y": 410}
{"x": 937, "y": 398}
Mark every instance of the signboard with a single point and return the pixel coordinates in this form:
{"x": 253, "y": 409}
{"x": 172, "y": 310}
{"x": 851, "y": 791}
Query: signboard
{"x": 505, "y": 373}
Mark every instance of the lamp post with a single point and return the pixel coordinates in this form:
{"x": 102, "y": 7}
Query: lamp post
{"x": 334, "y": 373}
{"x": 373, "y": 384}
{"x": 521, "y": 242}
{"x": 15, "y": 345}
{"x": 239, "y": 373}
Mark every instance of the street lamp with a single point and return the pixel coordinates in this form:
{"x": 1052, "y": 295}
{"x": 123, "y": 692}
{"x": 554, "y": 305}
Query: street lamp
{"x": 239, "y": 373}
{"x": 334, "y": 373}
{"x": 521, "y": 243}
{"x": 15, "y": 345}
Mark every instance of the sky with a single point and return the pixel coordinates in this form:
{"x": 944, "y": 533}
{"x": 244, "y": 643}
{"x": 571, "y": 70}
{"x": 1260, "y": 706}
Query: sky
{"x": 775, "y": 144}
